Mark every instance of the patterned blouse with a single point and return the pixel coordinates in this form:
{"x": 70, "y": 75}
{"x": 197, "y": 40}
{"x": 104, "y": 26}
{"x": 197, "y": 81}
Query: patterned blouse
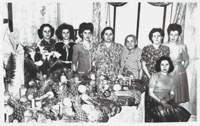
{"x": 131, "y": 60}
{"x": 150, "y": 55}
{"x": 108, "y": 59}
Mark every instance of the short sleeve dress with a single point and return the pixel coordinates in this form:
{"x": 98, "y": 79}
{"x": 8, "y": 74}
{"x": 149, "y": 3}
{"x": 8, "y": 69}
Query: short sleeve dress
{"x": 108, "y": 59}
{"x": 178, "y": 53}
{"x": 150, "y": 55}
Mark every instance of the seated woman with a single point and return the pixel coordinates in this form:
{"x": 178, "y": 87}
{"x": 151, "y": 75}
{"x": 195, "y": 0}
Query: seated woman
{"x": 161, "y": 90}
{"x": 82, "y": 51}
{"x": 65, "y": 33}
{"x": 131, "y": 57}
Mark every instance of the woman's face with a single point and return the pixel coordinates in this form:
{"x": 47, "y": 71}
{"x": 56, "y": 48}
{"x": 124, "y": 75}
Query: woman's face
{"x": 164, "y": 66}
{"x": 173, "y": 36}
{"x": 86, "y": 35}
{"x": 156, "y": 38}
{"x": 65, "y": 34}
{"x": 108, "y": 36}
{"x": 130, "y": 44}
{"x": 46, "y": 32}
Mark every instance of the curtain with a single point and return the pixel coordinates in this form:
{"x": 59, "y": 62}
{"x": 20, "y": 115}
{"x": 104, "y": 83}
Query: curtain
{"x": 189, "y": 22}
{"x": 100, "y": 19}
{"x": 179, "y": 17}
{"x": 96, "y": 19}
{"x": 27, "y": 18}
{"x": 191, "y": 40}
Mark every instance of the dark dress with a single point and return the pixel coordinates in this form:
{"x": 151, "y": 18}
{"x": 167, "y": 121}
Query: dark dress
{"x": 150, "y": 55}
{"x": 44, "y": 47}
{"x": 60, "y": 47}
{"x": 49, "y": 46}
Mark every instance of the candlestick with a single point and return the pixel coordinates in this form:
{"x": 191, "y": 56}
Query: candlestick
{"x": 20, "y": 95}
{"x": 33, "y": 103}
{"x": 130, "y": 81}
{"x": 6, "y": 117}
{"x": 60, "y": 109}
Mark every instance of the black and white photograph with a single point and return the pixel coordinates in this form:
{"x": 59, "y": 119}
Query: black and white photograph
{"x": 134, "y": 62}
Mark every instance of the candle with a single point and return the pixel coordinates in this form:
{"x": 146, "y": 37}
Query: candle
{"x": 60, "y": 109}
{"x": 130, "y": 81}
{"x": 23, "y": 90}
{"x": 6, "y": 118}
{"x": 33, "y": 103}
{"x": 20, "y": 95}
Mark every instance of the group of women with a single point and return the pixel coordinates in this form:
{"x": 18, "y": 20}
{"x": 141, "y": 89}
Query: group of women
{"x": 162, "y": 66}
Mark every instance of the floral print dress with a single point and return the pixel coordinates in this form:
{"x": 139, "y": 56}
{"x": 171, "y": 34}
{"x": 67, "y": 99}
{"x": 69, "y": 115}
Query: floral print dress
{"x": 108, "y": 59}
{"x": 150, "y": 55}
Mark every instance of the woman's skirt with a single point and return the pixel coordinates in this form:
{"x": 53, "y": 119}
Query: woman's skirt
{"x": 181, "y": 82}
{"x": 171, "y": 113}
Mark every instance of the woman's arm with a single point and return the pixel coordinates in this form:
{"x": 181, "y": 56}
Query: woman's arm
{"x": 152, "y": 84}
{"x": 144, "y": 67}
{"x": 185, "y": 56}
{"x": 153, "y": 95}
{"x": 74, "y": 58}
{"x": 186, "y": 63}
{"x": 140, "y": 74}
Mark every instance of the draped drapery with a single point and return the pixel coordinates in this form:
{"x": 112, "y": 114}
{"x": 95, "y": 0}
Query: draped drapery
{"x": 100, "y": 19}
{"x": 189, "y": 21}
{"x": 96, "y": 21}
{"x": 179, "y": 17}
{"x": 27, "y": 18}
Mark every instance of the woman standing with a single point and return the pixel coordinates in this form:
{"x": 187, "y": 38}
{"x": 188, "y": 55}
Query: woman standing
{"x": 65, "y": 33}
{"x": 108, "y": 54}
{"x": 46, "y": 33}
{"x": 180, "y": 58}
{"x": 161, "y": 90}
{"x": 150, "y": 54}
{"x": 44, "y": 55}
{"x": 131, "y": 57}
{"x": 82, "y": 51}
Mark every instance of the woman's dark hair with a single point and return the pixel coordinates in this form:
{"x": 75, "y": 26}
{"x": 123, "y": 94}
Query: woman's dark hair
{"x": 174, "y": 27}
{"x": 85, "y": 26}
{"x": 61, "y": 28}
{"x": 41, "y": 30}
{"x": 158, "y": 62}
{"x": 134, "y": 39}
{"x": 156, "y": 30}
{"x": 104, "y": 30}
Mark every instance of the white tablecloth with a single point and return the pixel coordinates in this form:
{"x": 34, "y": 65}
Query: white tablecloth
{"x": 130, "y": 114}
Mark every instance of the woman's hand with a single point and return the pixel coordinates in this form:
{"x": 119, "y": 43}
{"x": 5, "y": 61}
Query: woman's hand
{"x": 164, "y": 103}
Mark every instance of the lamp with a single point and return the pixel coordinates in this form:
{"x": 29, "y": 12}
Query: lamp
{"x": 162, "y": 4}
{"x": 115, "y": 5}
